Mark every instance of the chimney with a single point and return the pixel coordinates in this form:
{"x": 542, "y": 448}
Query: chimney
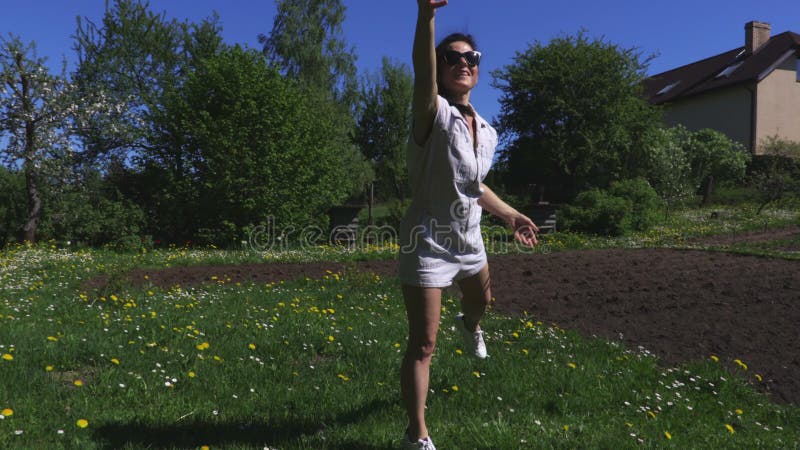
{"x": 756, "y": 34}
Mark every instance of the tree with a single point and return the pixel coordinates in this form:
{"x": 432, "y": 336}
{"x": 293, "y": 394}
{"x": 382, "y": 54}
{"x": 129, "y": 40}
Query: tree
{"x": 306, "y": 43}
{"x": 139, "y": 59}
{"x": 714, "y": 156}
{"x": 384, "y": 126}
{"x": 263, "y": 147}
{"x": 667, "y": 165}
{"x": 35, "y": 113}
{"x": 776, "y": 172}
{"x": 572, "y": 114}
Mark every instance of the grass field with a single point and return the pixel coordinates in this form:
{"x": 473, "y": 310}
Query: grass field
{"x": 313, "y": 364}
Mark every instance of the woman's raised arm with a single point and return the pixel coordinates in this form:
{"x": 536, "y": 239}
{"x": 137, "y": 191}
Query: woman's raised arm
{"x": 424, "y": 59}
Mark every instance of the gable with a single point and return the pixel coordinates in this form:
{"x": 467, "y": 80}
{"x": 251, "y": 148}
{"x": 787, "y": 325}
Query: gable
{"x": 724, "y": 70}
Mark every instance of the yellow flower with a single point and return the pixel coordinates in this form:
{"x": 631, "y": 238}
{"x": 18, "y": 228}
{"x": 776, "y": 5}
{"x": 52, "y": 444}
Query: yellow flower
{"x": 454, "y": 388}
{"x": 203, "y": 346}
{"x": 525, "y": 351}
{"x": 203, "y": 447}
{"x": 667, "y": 435}
{"x": 331, "y": 338}
{"x": 115, "y": 361}
{"x": 8, "y": 357}
{"x": 651, "y": 414}
{"x": 714, "y": 358}
{"x": 730, "y": 428}
{"x": 192, "y": 374}
{"x": 48, "y": 368}
{"x": 477, "y": 374}
{"x": 758, "y": 377}
{"x": 82, "y": 423}
{"x": 396, "y": 345}
{"x": 251, "y": 346}
{"x": 343, "y": 377}
{"x": 566, "y": 428}
{"x": 8, "y": 412}
{"x": 458, "y": 351}
{"x": 740, "y": 363}
{"x": 52, "y": 338}
{"x": 572, "y": 364}
{"x": 739, "y": 411}
{"x": 114, "y": 298}
{"x": 78, "y": 383}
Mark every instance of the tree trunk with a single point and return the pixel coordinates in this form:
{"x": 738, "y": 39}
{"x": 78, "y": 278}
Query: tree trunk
{"x": 709, "y": 187}
{"x": 31, "y": 186}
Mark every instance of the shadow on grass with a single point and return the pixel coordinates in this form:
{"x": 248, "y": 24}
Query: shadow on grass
{"x": 258, "y": 435}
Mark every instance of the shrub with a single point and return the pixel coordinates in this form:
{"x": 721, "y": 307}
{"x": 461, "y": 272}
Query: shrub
{"x": 645, "y": 202}
{"x": 629, "y": 205}
{"x": 597, "y": 211}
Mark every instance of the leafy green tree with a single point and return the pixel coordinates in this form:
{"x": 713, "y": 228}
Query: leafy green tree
{"x": 572, "y": 114}
{"x": 139, "y": 59}
{"x": 667, "y": 165}
{"x": 775, "y": 173}
{"x": 714, "y": 156}
{"x": 263, "y": 146}
{"x": 384, "y": 126}
{"x": 307, "y": 43}
{"x": 12, "y": 204}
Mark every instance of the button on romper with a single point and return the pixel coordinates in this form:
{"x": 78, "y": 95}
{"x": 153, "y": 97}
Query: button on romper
{"x": 440, "y": 237}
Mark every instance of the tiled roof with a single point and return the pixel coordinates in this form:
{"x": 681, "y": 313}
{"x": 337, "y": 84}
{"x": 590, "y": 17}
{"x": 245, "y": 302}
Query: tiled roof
{"x": 702, "y": 76}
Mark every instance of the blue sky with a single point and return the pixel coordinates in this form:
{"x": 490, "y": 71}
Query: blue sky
{"x": 679, "y": 31}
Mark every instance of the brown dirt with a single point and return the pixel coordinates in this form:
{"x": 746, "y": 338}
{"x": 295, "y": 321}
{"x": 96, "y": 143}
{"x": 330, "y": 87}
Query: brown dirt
{"x": 680, "y": 305}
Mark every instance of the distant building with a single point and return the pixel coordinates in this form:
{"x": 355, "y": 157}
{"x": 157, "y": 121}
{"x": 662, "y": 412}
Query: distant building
{"x": 748, "y": 93}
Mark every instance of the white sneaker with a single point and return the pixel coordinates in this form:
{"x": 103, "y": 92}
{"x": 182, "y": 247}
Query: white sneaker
{"x": 473, "y": 341}
{"x": 422, "y": 444}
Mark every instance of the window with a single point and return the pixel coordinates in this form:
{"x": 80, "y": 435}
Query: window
{"x": 668, "y": 88}
{"x": 729, "y": 70}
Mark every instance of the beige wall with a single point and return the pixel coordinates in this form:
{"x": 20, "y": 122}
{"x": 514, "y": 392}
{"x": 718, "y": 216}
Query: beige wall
{"x": 727, "y": 110}
{"x": 779, "y": 103}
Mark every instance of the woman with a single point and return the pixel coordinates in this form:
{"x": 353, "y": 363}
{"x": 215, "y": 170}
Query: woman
{"x": 450, "y": 151}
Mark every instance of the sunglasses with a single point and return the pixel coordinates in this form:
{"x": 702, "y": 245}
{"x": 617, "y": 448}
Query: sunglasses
{"x": 452, "y": 57}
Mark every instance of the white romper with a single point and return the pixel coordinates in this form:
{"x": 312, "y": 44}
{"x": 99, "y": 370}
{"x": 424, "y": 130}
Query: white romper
{"x": 440, "y": 237}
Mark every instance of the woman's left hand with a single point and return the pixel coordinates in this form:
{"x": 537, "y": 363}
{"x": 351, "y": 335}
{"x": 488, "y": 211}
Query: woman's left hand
{"x": 524, "y": 229}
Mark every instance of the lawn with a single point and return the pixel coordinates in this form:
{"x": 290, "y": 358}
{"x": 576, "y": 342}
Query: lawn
{"x": 312, "y": 364}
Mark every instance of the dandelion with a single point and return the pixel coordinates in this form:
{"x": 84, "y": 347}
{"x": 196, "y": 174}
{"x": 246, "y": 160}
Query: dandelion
{"x": 714, "y": 358}
{"x": 203, "y": 346}
{"x": 82, "y": 423}
{"x": 192, "y": 374}
{"x": 741, "y": 364}
{"x": 48, "y": 368}
{"x": 566, "y": 428}
{"x": 758, "y": 377}
{"x": 739, "y": 412}
{"x": 572, "y": 365}
{"x": 667, "y": 435}
{"x": 251, "y": 346}
{"x": 115, "y": 361}
{"x": 8, "y": 412}
{"x": 78, "y": 383}
{"x": 651, "y": 414}
{"x": 52, "y": 338}
{"x": 396, "y": 345}
{"x": 331, "y": 338}
{"x": 459, "y": 352}
{"x": 730, "y": 429}
{"x": 454, "y": 388}
{"x": 343, "y": 377}
{"x": 477, "y": 374}
{"x": 8, "y": 356}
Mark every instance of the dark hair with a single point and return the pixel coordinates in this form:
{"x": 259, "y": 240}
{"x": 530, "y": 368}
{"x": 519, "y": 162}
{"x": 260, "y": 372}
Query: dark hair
{"x": 444, "y": 44}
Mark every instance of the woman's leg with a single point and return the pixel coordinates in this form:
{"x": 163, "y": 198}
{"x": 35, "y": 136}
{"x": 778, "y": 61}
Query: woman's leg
{"x": 475, "y": 297}
{"x": 423, "y": 307}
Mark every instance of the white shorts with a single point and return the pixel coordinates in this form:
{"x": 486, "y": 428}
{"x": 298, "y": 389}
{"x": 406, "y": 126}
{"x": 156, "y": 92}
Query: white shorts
{"x": 438, "y": 270}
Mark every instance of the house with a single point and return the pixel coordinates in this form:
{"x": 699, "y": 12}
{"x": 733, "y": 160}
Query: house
{"x": 748, "y": 93}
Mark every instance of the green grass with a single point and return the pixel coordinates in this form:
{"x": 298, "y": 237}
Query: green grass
{"x": 175, "y": 368}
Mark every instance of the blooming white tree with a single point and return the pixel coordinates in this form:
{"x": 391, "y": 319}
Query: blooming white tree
{"x": 40, "y": 114}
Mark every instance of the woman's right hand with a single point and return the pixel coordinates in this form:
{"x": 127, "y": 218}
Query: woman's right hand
{"x": 431, "y": 4}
